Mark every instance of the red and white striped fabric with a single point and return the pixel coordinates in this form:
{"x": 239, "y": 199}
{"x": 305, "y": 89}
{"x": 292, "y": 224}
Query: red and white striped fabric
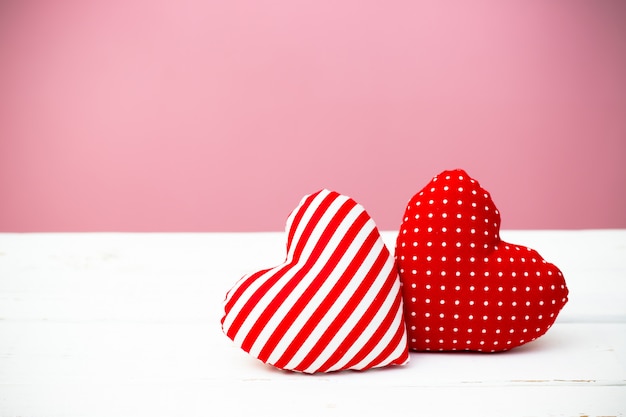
{"x": 334, "y": 304}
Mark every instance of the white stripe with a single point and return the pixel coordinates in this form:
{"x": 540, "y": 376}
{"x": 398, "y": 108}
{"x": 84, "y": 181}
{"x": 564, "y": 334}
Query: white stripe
{"x": 357, "y": 313}
{"x": 239, "y": 304}
{"x": 339, "y": 304}
{"x": 245, "y": 297}
{"x": 261, "y": 306}
{"x": 385, "y": 340}
{"x": 304, "y": 221}
{"x": 399, "y": 350}
{"x": 331, "y": 246}
{"x": 322, "y": 293}
{"x": 369, "y": 331}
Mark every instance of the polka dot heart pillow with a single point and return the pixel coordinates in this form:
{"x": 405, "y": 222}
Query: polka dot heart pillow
{"x": 463, "y": 287}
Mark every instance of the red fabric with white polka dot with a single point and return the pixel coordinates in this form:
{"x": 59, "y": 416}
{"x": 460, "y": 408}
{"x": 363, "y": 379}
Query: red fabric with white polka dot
{"x": 463, "y": 287}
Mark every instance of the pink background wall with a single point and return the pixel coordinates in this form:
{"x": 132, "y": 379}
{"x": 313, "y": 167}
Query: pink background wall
{"x": 133, "y": 115}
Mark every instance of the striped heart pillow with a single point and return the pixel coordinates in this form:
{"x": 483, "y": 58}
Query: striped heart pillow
{"x": 334, "y": 304}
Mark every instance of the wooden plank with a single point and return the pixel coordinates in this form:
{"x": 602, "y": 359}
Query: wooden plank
{"x": 128, "y": 324}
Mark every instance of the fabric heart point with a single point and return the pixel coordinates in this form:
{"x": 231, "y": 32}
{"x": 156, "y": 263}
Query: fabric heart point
{"x": 464, "y": 288}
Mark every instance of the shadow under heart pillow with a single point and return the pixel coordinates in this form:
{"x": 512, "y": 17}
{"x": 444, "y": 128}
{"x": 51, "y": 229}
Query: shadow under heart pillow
{"x": 334, "y": 304}
{"x": 463, "y": 287}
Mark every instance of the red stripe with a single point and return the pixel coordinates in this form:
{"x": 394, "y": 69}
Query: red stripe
{"x": 395, "y": 342}
{"x": 240, "y": 290}
{"x": 332, "y": 296}
{"x": 362, "y": 324}
{"x": 384, "y": 327}
{"x": 246, "y": 284}
{"x": 321, "y": 244}
{"x": 345, "y": 312}
{"x": 298, "y": 217}
{"x": 263, "y": 289}
{"x": 323, "y": 275}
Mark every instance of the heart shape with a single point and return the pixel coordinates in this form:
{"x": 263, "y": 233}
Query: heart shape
{"x": 334, "y": 304}
{"x": 463, "y": 287}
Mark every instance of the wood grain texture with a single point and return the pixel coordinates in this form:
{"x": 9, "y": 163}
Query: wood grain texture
{"x": 128, "y": 325}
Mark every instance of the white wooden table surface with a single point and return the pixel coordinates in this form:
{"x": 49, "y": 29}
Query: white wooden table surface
{"x": 129, "y": 325}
